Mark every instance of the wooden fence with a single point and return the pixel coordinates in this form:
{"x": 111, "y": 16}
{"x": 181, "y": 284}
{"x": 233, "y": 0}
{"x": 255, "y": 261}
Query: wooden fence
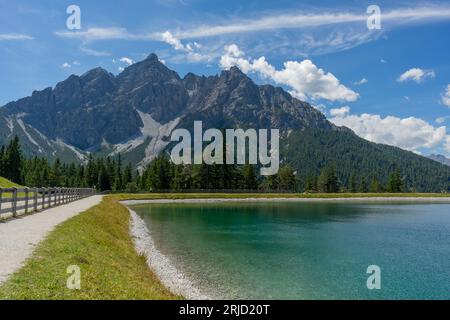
{"x": 15, "y": 202}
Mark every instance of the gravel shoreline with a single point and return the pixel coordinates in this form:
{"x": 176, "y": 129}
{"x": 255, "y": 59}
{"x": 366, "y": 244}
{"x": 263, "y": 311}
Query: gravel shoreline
{"x": 166, "y": 272}
{"x": 358, "y": 199}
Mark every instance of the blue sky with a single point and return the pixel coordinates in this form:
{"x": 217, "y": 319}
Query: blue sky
{"x": 320, "y": 52}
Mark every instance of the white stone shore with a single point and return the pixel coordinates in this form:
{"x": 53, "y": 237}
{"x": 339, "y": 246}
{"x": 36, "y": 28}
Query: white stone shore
{"x": 358, "y": 199}
{"x": 161, "y": 265}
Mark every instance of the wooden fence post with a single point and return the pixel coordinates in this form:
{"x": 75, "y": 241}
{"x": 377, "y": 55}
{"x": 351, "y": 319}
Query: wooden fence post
{"x": 43, "y": 198}
{"x": 1, "y": 198}
{"x": 35, "y": 196}
{"x": 14, "y": 202}
{"x": 26, "y": 200}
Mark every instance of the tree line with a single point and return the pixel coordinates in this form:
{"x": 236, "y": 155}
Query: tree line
{"x": 111, "y": 174}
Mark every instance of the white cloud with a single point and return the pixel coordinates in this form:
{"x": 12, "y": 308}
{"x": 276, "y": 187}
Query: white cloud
{"x": 14, "y": 36}
{"x": 441, "y": 119}
{"x": 383, "y": 61}
{"x": 362, "y": 81}
{"x": 320, "y": 107}
{"x": 447, "y": 144}
{"x": 416, "y": 74}
{"x": 191, "y": 49}
{"x": 446, "y": 96}
{"x": 304, "y": 78}
{"x": 407, "y": 133}
{"x": 340, "y": 112}
{"x": 67, "y": 65}
{"x": 127, "y": 60}
{"x": 168, "y": 37}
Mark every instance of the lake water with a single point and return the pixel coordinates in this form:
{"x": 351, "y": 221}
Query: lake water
{"x": 297, "y": 250}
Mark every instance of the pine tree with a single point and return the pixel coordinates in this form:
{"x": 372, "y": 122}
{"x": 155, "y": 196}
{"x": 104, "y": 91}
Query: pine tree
{"x": 249, "y": 179}
{"x": 13, "y": 161}
{"x": 55, "y": 174}
{"x": 375, "y": 186}
{"x": 363, "y": 188}
{"x": 352, "y": 184}
{"x": 328, "y": 181}
{"x": 311, "y": 183}
{"x": 118, "y": 178}
{"x": 128, "y": 174}
{"x": 395, "y": 182}
{"x": 287, "y": 180}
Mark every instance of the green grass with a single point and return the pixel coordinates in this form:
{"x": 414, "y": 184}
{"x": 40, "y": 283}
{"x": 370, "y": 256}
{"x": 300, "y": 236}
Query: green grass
{"x": 98, "y": 242}
{"x": 5, "y": 183}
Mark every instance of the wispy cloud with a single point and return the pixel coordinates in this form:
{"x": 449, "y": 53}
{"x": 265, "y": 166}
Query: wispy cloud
{"x": 318, "y": 33}
{"x": 269, "y": 22}
{"x": 14, "y": 36}
{"x": 301, "y": 20}
{"x": 107, "y": 33}
{"x": 95, "y": 53}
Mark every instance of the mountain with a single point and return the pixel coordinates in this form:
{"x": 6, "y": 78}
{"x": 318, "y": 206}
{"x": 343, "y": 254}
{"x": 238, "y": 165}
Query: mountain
{"x": 135, "y": 112}
{"x": 440, "y": 158}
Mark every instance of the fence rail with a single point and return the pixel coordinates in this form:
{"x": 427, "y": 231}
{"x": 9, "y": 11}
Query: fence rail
{"x": 15, "y": 202}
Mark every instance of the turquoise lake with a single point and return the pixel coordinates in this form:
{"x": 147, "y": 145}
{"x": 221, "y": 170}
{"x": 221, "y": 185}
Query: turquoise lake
{"x": 299, "y": 250}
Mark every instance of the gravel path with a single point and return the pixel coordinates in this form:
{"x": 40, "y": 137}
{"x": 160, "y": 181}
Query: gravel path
{"x": 18, "y": 237}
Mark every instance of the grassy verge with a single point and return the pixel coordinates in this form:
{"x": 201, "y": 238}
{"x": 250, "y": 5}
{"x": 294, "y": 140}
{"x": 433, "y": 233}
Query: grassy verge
{"x": 5, "y": 183}
{"x": 99, "y": 243}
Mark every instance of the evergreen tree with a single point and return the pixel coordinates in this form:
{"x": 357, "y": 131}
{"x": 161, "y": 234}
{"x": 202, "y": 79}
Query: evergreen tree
{"x": 104, "y": 182}
{"x": 352, "y": 184}
{"x": 395, "y": 182}
{"x": 249, "y": 179}
{"x": 375, "y": 186}
{"x": 363, "y": 188}
{"x": 118, "y": 179}
{"x": 287, "y": 180}
{"x": 13, "y": 161}
{"x": 328, "y": 181}
{"x": 55, "y": 174}
{"x": 311, "y": 183}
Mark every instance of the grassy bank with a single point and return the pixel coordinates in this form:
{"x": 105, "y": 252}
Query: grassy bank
{"x": 99, "y": 243}
{"x": 5, "y": 183}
